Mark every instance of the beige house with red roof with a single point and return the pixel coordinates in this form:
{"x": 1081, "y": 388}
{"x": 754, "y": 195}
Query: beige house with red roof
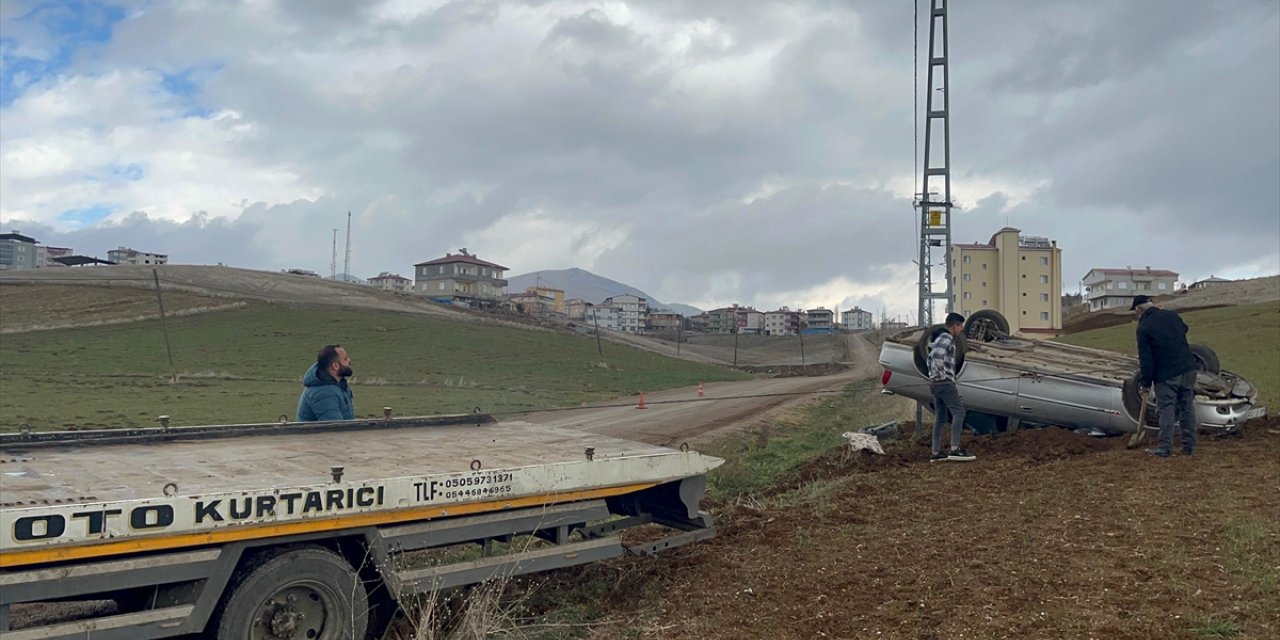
{"x": 1019, "y": 276}
{"x": 461, "y": 279}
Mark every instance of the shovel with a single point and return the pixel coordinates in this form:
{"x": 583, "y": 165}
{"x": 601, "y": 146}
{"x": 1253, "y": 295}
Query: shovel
{"x": 1142, "y": 421}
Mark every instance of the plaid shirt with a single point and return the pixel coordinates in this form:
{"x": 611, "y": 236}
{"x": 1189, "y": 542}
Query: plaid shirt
{"x": 942, "y": 358}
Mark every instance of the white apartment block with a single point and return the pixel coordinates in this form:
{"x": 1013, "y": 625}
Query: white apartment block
{"x": 857, "y": 319}
{"x": 783, "y": 322}
{"x": 603, "y": 317}
{"x": 633, "y": 312}
{"x": 1115, "y": 288}
{"x": 125, "y": 255}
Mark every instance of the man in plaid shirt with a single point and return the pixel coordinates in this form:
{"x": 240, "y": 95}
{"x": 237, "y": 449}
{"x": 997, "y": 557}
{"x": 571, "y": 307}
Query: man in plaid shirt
{"x": 942, "y": 382}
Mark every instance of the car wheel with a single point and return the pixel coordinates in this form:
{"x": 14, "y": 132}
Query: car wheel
{"x": 921, "y": 352}
{"x": 1206, "y": 359}
{"x": 986, "y": 325}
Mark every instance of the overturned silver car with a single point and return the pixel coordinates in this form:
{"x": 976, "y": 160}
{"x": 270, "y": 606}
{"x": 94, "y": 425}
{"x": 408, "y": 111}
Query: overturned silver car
{"x": 1005, "y": 380}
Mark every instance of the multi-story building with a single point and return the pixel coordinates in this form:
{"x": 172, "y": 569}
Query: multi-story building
{"x": 576, "y": 308}
{"x": 18, "y": 251}
{"x": 1019, "y": 276}
{"x": 722, "y": 320}
{"x": 391, "y": 282}
{"x": 48, "y": 256}
{"x": 665, "y": 321}
{"x": 782, "y": 322}
{"x": 461, "y": 279}
{"x": 749, "y": 320}
{"x": 1115, "y": 288}
{"x": 598, "y": 316}
{"x": 633, "y": 312}
{"x": 556, "y": 296}
{"x": 892, "y": 326}
{"x": 820, "y": 320}
{"x": 700, "y": 322}
{"x": 532, "y": 302}
{"x": 857, "y": 319}
{"x": 125, "y": 255}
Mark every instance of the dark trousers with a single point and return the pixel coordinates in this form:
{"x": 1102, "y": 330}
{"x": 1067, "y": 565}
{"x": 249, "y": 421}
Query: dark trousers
{"x": 946, "y": 398}
{"x": 1176, "y": 402}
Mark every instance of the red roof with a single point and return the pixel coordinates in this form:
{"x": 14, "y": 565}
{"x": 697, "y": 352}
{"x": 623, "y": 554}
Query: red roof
{"x": 452, "y": 259}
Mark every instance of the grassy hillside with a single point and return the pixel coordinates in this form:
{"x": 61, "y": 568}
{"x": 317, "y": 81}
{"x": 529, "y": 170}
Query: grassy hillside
{"x": 1246, "y": 338}
{"x": 245, "y": 365}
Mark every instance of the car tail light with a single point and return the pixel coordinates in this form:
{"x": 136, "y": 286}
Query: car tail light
{"x": 884, "y": 379}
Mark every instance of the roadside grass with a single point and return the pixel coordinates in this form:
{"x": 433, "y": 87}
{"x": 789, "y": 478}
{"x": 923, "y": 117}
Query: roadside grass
{"x": 1246, "y": 339}
{"x": 246, "y": 365}
{"x": 758, "y": 458}
{"x": 1252, "y": 547}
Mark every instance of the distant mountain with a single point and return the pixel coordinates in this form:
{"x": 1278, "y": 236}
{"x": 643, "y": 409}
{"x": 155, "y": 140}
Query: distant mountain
{"x": 580, "y": 283}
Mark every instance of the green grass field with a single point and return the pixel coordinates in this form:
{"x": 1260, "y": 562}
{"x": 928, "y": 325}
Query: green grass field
{"x": 1246, "y": 338}
{"x": 246, "y": 366}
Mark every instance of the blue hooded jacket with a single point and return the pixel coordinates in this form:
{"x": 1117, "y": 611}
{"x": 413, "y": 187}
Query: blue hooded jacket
{"x": 324, "y": 398}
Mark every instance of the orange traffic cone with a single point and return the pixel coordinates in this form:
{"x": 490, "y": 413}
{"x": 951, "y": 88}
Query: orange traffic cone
{"x": 641, "y": 405}
{"x": 700, "y": 393}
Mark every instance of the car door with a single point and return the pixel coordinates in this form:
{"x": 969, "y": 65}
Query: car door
{"x": 1067, "y": 401}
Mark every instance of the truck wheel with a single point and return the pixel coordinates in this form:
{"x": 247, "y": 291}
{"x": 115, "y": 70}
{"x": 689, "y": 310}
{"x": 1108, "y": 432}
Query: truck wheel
{"x": 1206, "y": 359}
{"x": 305, "y": 593}
{"x": 986, "y": 325}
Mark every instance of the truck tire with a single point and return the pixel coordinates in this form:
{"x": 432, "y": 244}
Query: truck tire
{"x": 986, "y": 325}
{"x": 299, "y": 592}
{"x": 1206, "y": 359}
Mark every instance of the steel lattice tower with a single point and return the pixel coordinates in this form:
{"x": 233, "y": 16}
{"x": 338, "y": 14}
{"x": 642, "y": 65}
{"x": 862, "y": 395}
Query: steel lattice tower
{"x": 935, "y": 213}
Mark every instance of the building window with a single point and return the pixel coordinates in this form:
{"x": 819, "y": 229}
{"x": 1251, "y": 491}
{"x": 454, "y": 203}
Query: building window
{"x": 1044, "y": 315}
{"x": 1124, "y": 285}
{"x": 967, "y": 277}
{"x": 984, "y": 266}
{"x": 1024, "y": 257}
{"x": 984, "y": 284}
{"x": 1044, "y": 297}
{"x": 1044, "y": 261}
{"x": 967, "y": 259}
{"x": 1044, "y": 279}
{"x": 1161, "y": 286}
{"x": 967, "y": 295}
{"x": 440, "y": 286}
{"x": 984, "y": 303}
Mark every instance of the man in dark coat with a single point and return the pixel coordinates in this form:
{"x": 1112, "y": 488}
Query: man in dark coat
{"x": 325, "y": 395}
{"x": 1168, "y": 366}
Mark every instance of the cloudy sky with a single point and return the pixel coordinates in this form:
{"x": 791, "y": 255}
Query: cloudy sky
{"x": 707, "y": 152}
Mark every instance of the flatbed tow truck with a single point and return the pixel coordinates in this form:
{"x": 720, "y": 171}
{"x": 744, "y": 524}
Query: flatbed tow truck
{"x": 307, "y": 530}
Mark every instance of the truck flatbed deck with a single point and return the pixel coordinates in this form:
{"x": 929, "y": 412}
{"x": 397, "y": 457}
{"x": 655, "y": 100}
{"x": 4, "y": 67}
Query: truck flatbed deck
{"x": 195, "y": 528}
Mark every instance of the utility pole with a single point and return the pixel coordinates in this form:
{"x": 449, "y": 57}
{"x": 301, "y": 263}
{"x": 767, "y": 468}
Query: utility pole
{"x": 333, "y": 259}
{"x": 346, "y": 264}
{"x": 935, "y": 213}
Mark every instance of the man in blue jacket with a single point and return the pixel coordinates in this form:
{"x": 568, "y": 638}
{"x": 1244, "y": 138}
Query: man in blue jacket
{"x": 325, "y": 395}
{"x": 1167, "y": 365}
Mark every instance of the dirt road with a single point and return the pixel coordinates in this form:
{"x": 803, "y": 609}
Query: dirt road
{"x": 679, "y": 415}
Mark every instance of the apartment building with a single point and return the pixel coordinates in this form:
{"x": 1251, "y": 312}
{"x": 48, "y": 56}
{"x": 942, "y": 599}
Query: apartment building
{"x": 820, "y": 320}
{"x": 125, "y": 255}
{"x": 604, "y": 317}
{"x": 1019, "y": 276}
{"x": 633, "y": 312}
{"x": 532, "y": 302}
{"x": 576, "y": 308}
{"x": 857, "y": 319}
{"x": 558, "y": 304}
{"x": 391, "y": 282}
{"x": 665, "y": 321}
{"x": 17, "y": 252}
{"x": 782, "y": 322}
{"x": 461, "y": 279}
{"x": 700, "y": 322}
{"x": 1115, "y": 288}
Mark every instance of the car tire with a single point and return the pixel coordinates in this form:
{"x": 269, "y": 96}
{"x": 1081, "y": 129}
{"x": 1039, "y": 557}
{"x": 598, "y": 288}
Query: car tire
{"x": 986, "y": 325}
{"x": 1206, "y": 359}
{"x": 921, "y": 352}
